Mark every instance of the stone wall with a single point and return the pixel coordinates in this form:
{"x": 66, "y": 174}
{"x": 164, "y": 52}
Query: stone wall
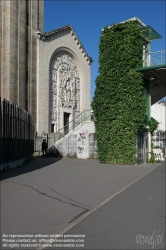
{"x": 19, "y": 22}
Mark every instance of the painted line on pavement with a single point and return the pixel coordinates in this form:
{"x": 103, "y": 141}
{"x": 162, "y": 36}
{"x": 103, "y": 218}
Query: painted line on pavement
{"x": 97, "y": 207}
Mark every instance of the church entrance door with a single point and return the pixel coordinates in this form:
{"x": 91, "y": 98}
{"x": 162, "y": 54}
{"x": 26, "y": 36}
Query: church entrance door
{"x": 66, "y": 123}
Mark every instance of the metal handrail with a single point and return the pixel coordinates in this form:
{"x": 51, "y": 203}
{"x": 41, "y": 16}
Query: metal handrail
{"x": 86, "y": 115}
{"x": 156, "y": 52}
{"x": 154, "y": 58}
{"x": 72, "y": 124}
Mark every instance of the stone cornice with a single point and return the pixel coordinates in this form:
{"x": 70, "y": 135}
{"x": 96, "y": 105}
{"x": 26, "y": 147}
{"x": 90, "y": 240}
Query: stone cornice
{"x": 46, "y": 35}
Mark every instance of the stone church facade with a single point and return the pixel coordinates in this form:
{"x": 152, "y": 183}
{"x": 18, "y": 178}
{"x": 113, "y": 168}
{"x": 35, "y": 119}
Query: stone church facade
{"x": 46, "y": 73}
{"x": 65, "y": 66}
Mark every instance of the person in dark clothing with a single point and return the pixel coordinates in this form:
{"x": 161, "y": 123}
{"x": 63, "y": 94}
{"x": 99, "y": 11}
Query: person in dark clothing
{"x": 44, "y": 147}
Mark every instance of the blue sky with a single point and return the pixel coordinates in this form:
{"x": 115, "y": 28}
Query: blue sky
{"x": 88, "y": 18}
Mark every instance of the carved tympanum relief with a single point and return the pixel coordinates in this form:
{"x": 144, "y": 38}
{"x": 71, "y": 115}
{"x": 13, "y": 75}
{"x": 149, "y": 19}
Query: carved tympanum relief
{"x": 64, "y": 86}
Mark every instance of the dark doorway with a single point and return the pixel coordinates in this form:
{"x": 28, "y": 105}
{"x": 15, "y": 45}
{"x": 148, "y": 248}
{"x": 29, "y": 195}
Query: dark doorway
{"x": 66, "y": 123}
{"x": 142, "y": 146}
{"x": 52, "y": 128}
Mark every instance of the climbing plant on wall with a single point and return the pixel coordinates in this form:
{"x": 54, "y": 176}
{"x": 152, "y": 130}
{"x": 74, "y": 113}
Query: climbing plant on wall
{"x": 118, "y": 104}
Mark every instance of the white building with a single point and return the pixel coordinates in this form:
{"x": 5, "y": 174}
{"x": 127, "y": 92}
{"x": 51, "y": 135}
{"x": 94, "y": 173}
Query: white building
{"x": 158, "y": 112}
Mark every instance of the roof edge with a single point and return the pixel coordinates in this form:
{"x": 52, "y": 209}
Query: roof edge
{"x": 46, "y": 35}
{"x": 131, "y": 19}
{"x": 151, "y": 68}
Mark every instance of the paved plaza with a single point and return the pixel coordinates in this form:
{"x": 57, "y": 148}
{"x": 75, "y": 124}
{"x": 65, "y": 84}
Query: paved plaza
{"x": 109, "y": 204}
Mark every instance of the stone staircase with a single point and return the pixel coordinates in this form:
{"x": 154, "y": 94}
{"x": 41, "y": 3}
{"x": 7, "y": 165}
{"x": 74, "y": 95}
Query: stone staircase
{"x": 73, "y": 139}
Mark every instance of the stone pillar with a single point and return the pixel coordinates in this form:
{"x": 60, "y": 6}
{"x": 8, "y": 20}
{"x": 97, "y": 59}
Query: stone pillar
{"x": 19, "y": 22}
{"x": 0, "y": 42}
{"x": 12, "y": 27}
{"x": 22, "y": 52}
{"x": 13, "y": 51}
{"x": 5, "y": 48}
{"x": 36, "y": 12}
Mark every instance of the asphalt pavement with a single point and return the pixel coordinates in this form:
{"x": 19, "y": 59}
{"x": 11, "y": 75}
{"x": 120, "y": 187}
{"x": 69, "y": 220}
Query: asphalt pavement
{"x": 113, "y": 206}
{"x": 134, "y": 219}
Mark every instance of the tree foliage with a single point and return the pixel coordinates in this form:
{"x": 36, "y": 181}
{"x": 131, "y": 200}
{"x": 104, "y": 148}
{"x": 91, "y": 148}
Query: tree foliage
{"x": 118, "y": 104}
{"x": 153, "y": 124}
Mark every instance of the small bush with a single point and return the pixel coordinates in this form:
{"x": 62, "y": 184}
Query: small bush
{"x": 152, "y": 158}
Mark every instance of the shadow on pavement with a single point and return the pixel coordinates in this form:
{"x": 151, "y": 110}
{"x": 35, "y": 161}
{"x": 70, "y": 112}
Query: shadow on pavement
{"x": 38, "y": 163}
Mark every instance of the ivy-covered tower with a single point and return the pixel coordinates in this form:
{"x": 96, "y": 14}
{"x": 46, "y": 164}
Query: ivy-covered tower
{"x": 120, "y": 102}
